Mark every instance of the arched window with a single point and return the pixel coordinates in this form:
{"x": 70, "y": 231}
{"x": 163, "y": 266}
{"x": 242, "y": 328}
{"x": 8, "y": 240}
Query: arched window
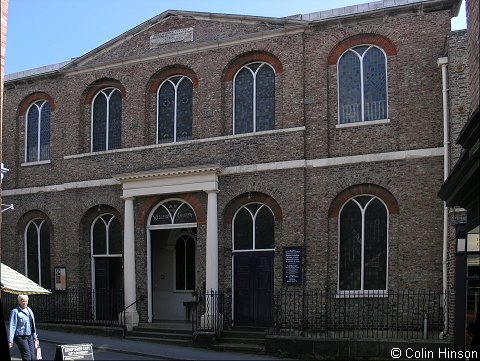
{"x": 173, "y": 212}
{"x": 37, "y": 251}
{"x": 363, "y": 245}
{"x": 174, "y": 115}
{"x": 106, "y": 120}
{"x": 254, "y": 98}
{"x": 37, "y": 132}
{"x": 362, "y": 84}
{"x": 106, "y": 236}
{"x": 253, "y": 228}
{"x": 185, "y": 263}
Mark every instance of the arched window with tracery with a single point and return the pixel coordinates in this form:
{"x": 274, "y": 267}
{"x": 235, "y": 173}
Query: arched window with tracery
{"x": 253, "y": 228}
{"x": 254, "y": 98}
{"x": 174, "y": 111}
{"x": 106, "y": 126}
{"x": 37, "y": 252}
{"x": 363, "y": 245}
{"x": 37, "y": 132}
{"x": 362, "y": 84}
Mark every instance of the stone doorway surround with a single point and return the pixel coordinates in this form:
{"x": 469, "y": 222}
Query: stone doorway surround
{"x": 171, "y": 182}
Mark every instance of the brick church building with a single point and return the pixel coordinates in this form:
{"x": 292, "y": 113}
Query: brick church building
{"x": 202, "y": 151}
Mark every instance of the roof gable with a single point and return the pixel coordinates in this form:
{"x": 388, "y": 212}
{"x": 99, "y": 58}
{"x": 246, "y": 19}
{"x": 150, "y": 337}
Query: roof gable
{"x": 176, "y": 31}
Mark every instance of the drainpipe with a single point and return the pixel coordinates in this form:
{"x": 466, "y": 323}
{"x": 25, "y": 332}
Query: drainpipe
{"x": 443, "y": 62}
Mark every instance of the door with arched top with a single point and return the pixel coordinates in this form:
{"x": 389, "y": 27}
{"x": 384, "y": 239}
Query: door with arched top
{"x": 253, "y": 265}
{"x": 171, "y": 251}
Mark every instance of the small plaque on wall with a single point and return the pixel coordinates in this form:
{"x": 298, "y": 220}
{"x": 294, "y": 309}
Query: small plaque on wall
{"x": 60, "y": 278}
{"x": 292, "y": 266}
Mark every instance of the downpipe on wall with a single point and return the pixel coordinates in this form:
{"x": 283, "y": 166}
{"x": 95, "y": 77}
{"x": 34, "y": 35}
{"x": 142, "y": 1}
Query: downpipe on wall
{"x": 443, "y": 63}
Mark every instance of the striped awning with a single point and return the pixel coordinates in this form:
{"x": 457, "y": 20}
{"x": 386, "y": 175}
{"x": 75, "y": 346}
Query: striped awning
{"x": 16, "y": 283}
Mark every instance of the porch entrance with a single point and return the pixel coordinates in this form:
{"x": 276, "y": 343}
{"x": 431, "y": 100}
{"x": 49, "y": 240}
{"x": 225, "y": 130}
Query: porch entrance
{"x": 171, "y": 250}
{"x": 253, "y": 288}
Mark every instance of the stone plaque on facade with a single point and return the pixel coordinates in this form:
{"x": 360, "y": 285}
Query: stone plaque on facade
{"x": 173, "y": 36}
{"x": 292, "y": 266}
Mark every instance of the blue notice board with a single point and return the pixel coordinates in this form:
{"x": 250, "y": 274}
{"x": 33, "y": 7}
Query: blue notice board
{"x": 292, "y": 266}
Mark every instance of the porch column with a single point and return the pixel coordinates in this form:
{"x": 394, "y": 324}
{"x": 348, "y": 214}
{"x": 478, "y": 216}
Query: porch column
{"x": 131, "y": 314}
{"x": 211, "y": 281}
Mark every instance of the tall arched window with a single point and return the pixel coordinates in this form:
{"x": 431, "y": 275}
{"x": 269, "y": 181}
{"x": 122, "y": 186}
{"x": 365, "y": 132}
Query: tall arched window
{"x": 106, "y": 236}
{"x": 185, "y": 263}
{"x": 363, "y": 245}
{"x": 106, "y": 120}
{"x": 174, "y": 114}
{"x": 362, "y": 84}
{"x": 37, "y": 251}
{"x": 253, "y": 228}
{"x": 254, "y": 98}
{"x": 37, "y": 132}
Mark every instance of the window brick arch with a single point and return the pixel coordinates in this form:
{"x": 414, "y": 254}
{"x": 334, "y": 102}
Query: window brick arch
{"x": 100, "y": 84}
{"x": 167, "y": 72}
{"x": 245, "y": 198}
{"x": 366, "y": 188}
{"x": 255, "y": 56}
{"x": 32, "y": 98}
{"x": 372, "y": 39}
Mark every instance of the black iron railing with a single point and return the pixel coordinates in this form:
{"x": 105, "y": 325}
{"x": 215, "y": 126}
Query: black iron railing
{"x": 73, "y": 306}
{"x": 212, "y": 311}
{"x": 407, "y": 314}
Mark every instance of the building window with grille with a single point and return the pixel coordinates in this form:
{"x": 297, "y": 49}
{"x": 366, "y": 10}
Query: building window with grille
{"x": 254, "y": 98}
{"x": 363, "y": 245}
{"x": 37, "y": 132}
{"x": 106, "y": 120}
{"x": 174, "y": 114}
{"x": 37, "y": 250}
{"x": 362, "y": 85}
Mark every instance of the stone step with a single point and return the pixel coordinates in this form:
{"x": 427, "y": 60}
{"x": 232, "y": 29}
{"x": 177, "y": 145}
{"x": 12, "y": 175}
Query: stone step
{"x": 243, "y": 340}
{"x": 166, "y": 334}
{"x": 161, "y": 330}
{"x": 238, "y": 347}
{"x": 170, "y": 341}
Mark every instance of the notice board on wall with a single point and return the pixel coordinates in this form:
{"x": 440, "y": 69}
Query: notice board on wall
{"x": 292, "y": 265}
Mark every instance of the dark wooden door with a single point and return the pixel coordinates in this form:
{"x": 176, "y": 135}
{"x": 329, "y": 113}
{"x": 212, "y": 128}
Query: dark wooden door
{"x": 108, "y": 282}
{"x": 253, "y": 288}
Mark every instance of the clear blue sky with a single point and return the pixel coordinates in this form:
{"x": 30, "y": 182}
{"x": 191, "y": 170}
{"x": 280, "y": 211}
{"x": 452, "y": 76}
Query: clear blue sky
{"x": 44, "y": 32}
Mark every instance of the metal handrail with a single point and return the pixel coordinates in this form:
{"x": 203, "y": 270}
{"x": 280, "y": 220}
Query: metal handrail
{"x": 141, "y": 298}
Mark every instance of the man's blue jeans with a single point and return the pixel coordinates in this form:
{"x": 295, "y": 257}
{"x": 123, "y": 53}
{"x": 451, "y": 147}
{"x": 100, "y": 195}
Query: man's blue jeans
{"x": 26, "y": 347}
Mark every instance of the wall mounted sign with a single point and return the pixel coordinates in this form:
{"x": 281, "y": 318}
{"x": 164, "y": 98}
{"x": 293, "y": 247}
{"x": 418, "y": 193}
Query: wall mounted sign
{"x": 292, "y": 266}
{"x": 60, "y": 278}
{"x": 173, "y": 36}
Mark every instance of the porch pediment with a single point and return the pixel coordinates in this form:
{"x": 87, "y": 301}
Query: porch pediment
{"x": 170, "y": 181}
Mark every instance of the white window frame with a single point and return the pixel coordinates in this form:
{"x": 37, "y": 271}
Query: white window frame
{"x": 107, "y": 125}
{"x": 175, "y": 87}
{"x": 39, "y": 122}
{"x": 254, "y": 93}
{"x": 39, "y": 254}
{"x": 362, "y": 292}
{"x": 363, "y": 121}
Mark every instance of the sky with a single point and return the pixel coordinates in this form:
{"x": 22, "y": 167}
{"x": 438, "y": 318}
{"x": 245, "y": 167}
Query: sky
{"x": 45, "y": 32}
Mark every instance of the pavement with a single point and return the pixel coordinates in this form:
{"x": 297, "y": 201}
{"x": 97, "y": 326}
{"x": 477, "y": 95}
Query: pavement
{"x": 113, "y": 347}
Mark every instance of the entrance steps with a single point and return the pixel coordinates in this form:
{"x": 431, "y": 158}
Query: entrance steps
{"x": 242, "y": 339}
{"x": 168, "y": 332}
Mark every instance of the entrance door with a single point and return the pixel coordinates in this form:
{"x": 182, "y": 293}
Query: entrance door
{"x": 253, "y": 288}
{"x": 108, "y": 282}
